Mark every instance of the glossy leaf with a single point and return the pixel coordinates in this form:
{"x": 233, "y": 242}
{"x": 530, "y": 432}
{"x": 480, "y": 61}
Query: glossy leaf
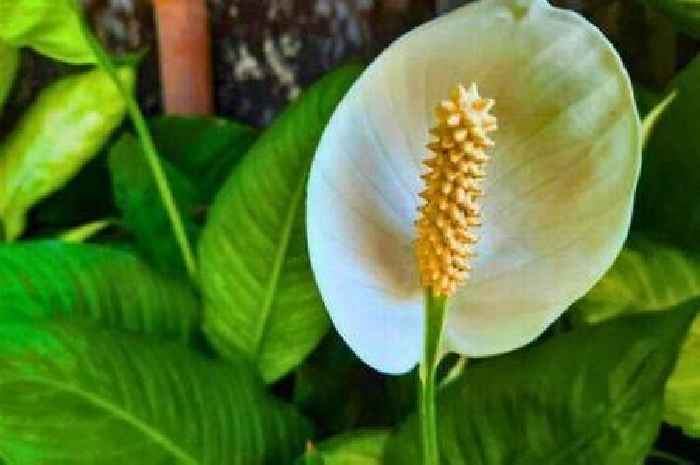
{"x": 50, "y": 27}
{"x": 57, "y": 280}
{"x": 653, "y": 277}
{"x": 591, "y": 396}
{"x": 206, "y": 149}
{"x": 72, "y": 395}
{"x": 685, "y": 14}
{"x": 364, "y": 447}
{"x": 57, "y": 136}
{"x": 666, "y": 205}
{"x": 259, "y": 292}
{"x": 9, "y": 62}
{"x": 137, "y": 196}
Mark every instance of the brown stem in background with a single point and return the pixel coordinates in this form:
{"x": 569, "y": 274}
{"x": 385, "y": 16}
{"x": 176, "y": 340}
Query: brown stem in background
{"x": 184, "y": 47}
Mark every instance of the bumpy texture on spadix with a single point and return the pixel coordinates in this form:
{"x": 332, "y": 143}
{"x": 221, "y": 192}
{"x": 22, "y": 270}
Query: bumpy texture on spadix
{"x": 451, "y": 210}
{"x": 559, "y": 190}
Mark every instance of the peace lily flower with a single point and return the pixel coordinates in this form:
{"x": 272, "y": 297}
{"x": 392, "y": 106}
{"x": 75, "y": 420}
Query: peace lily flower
{"x": 513, "y": 225}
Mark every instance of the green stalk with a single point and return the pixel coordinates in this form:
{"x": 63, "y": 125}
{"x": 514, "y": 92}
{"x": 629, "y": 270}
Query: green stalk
{"x": 434, "y": 319}
{"x": 149, "y": 148}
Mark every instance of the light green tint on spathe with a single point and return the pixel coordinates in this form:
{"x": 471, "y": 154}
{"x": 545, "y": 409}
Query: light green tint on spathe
{"x": 558, "y": 194}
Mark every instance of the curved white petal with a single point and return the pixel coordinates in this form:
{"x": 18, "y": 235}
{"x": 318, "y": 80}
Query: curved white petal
{"x": 559, "y": 192}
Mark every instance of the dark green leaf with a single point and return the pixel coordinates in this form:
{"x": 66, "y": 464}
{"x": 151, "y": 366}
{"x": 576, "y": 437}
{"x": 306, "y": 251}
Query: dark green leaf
{"x": 590, "y": 396}
{"x": 50, "y": 27}
{"x": 72, "y": 395}
{"x": 685, "y": 14}
{"x": 139, "y": 200}
{"x": 87, "y": 196}
{"x": 339, "y": 392}
{"x": 653, "y": 277}
{"x": 669, "y": 186}
{"x": 260, "y": 295}
{"x": 205, "y": 149}
{"x": 56, "y": 137}
{"x": 53, "y": 279}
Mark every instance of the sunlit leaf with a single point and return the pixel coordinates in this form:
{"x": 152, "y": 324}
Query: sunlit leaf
{"x": 73, "y": 395}
{"x": 50, "y": 27}
{"x": 56, "y": 137}
{"x": 57, "y": 280}
{"x": 260, "y": 295}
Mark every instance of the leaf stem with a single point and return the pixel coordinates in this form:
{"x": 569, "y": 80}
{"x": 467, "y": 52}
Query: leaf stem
{"x": 434, "y": 318}
{"x": 149, "y": 148}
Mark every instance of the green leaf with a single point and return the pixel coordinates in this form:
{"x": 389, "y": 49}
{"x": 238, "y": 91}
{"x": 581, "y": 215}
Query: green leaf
{"x": 9, "y": 62}
{"x": 666, "y": 206}
{"x": 137, "y": 196}
{"x": 365, "y": 447}
{"x": 206, "y": 149}
{"x": 72, "y": 395}
{"x": 54, "y": 279}
{"x": 653, "y": 277}
{"x": 85, "y": 197}
{"x": 590, "y": 396}
{"x": 260, "y": 295}
{"x": 50, "y": 27}
{"x": 55, "y": 138}
{"x": 685, "y": 14}
{"x": 85, "y": 232}
{"x": 339, "y": 392}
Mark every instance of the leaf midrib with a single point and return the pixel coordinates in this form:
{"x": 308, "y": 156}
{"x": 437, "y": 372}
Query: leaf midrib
{"x": 276, "y": 273}
{"x": 166, "y": 443}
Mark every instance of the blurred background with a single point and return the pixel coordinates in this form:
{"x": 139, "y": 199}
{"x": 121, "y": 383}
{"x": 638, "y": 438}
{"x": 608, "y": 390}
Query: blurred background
{"x": 266, "y": 51}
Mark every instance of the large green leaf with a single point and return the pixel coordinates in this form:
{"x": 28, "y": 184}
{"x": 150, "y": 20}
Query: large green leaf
{"x": 72, "y": 395}
{"x": 56, "y": 137}
{"x": 669, "y": 186}
{"x": 590, "y": 396}
{"x": 57, "y": 280}
{"x": 652, "y": 277}
{"x": 685, "y": 14}
{"x": 260, "y": 295}
{"x": 139, "y": 200}
{"x": 205, "y": 149}
{"x": 50, "y": 27}
{"x": 9, "y": 62}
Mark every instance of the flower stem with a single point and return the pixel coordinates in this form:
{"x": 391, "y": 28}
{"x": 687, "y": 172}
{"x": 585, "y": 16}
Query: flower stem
{"x": 149, "y": 148}
{"x": 434, "y": 318}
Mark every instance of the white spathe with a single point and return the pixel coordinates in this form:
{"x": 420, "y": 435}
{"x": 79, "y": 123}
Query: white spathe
{"x": 559, "y": 192}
